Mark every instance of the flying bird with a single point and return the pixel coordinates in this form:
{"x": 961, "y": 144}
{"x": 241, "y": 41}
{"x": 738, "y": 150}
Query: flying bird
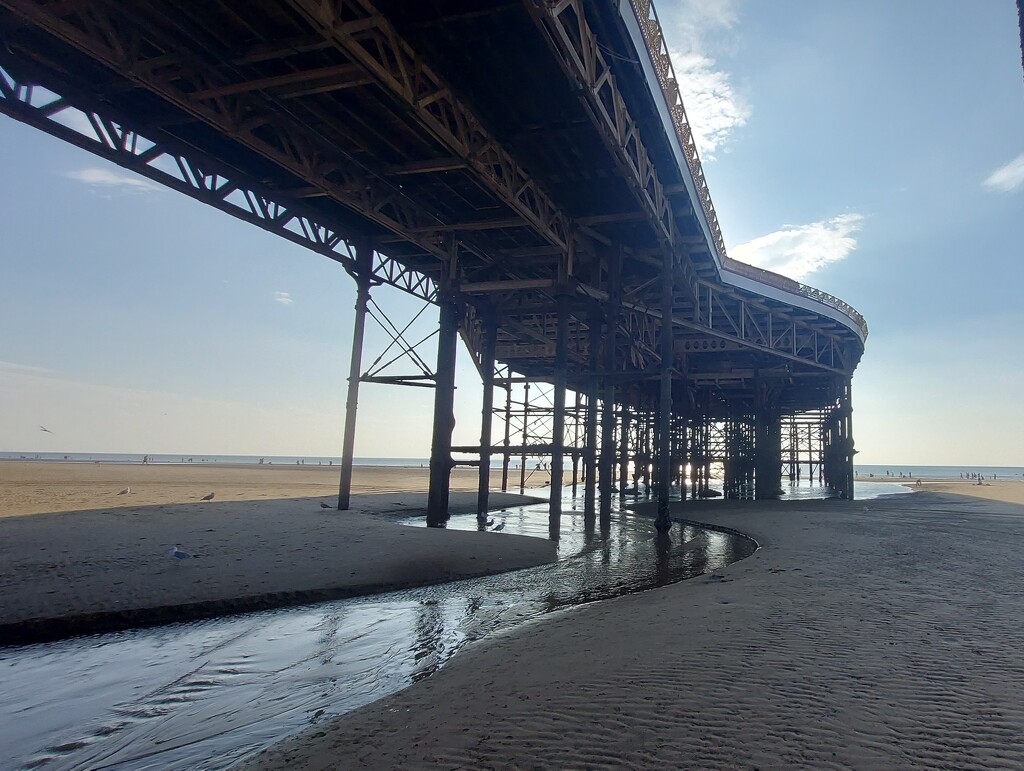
{"x": 45, "y": 429}
{"x": 326, "y": 506}
{"x": 208, "y": 497}
{"x": 124, "y": 491}
{"x": 176, "y": 553}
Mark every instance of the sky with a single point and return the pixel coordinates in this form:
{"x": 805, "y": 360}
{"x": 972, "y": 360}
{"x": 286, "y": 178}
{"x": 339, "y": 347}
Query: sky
{"x": 873, "y": 149}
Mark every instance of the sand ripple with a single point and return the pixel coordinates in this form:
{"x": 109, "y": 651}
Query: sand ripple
{"x": 880, "y": 639}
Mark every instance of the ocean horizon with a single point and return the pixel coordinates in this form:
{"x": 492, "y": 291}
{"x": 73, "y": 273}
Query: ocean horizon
{"x": 905, "y": 471}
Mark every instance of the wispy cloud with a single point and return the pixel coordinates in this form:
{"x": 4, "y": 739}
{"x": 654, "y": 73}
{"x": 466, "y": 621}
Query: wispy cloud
{"x": 284, "y": 298}
{"x": 798, "y": 250}
{"x": 1007, "y": 178}
{"x": 713, "y": 107}
{"x": 108, "y": 178}
{"x": 11, "y": 366}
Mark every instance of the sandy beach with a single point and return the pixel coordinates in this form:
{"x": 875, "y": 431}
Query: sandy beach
{"x": 872, "y": 635}
{"x": 878, "y": 634}
{"x": 106, "y": 567}
{"x": 36, "y": 487}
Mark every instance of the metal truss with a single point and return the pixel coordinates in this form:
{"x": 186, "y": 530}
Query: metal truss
{"x": 647, "y": 18}
{"x": 204, "y": 93}
{"x": 366, "y": 37}
{"x": 188, "y": 171}
{"x": 400, "y": 349}
{"x": 795, "y": 287}
{"x": 583, "y": 61}
{"x": 731, "y": 316}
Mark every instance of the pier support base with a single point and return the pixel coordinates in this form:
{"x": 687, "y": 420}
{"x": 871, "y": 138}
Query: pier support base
{"x": 444, "y": 413}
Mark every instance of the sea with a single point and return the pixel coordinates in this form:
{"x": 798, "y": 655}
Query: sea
{"x": 914, "y": 473}
{"x": 881, "y": 471}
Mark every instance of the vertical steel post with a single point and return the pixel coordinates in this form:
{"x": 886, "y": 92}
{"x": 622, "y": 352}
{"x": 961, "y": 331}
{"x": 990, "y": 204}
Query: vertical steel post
{"x": 590, "y": 432}
{"x": 558, "y": 416}
{"x": 624, "y": 479}
{"x": 444, "y": 397}
{"x": 508, "y": 434}
{"x": 364, "y": 267}
{"x": 576, "y": 445}
{"x": 486, "y": 416}
{"x": 850, "y": 451}
{"x": 664, "y": 451}
{"x": 526, "y": 421}
{"x": 608, "y": 447}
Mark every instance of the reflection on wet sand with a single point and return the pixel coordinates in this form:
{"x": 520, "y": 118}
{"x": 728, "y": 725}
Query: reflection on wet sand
{"x": 206, "y": 694}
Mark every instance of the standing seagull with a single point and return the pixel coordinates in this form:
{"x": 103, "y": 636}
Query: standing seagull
{"x": 178, "y": 554}
{"x": 207, "y": 497}
{"x": 326, "y": 506}
{"x": 45, "y": 430}
{"x": 499, "y": 528}
{"x": 125, "y": 491}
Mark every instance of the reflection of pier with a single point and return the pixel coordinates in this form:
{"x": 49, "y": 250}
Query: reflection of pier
{"x": 526, "y": 167}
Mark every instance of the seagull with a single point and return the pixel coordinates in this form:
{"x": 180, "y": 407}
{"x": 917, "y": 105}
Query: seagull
{"x": 45, "y": 429}
{"x": 490, "y": 522}
{"x": 178, "y": 554}
{"x": 207, "y": 497}
{"x": 326, "y": 506}
{"x": 124, "y": 491}
{"x": 499, "y": 528}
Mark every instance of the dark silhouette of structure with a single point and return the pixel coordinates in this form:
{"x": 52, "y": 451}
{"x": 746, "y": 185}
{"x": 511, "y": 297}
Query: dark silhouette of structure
{"x": 525, "y": 166}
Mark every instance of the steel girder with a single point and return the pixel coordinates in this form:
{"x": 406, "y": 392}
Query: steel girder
{"x": 364, "y": 35}
{"x": 713, "y": 310}
{"x": 582, "y": 59}
{"x": 746, "y": 320}
{"x": 188, "y": 171}
{"x": 657, "y": 47}
{"x": 246, "y": 117}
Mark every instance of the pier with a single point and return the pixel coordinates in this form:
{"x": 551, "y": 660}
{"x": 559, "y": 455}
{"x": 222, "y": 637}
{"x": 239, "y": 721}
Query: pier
{"x": 526, "y": 167}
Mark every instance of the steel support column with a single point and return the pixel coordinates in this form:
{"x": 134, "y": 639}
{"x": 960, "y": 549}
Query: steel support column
{"x": 558, "y": 416}
{"x": 508, "y": 436}
{"x": 664, "y": 433}
{"x": 362, "y": 274}
{"x": 623, "y": 456}
{"x": 444, "y": 404}
{"x": 767, "y": 444}
{"x": 848, "y": 445}
{"x": 590, "y": 437}
{"x": 486, "y": 416}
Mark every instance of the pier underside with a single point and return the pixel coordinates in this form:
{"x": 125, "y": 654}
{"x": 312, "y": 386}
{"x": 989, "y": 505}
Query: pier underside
{"x": 528, "y": 168}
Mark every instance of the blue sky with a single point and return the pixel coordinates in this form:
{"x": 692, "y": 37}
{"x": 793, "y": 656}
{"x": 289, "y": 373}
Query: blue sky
{"x": 872, "y": 149}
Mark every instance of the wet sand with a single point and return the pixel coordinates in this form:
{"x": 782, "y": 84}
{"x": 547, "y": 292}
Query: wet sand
{"x": 883, "y": 634}
{"x": 73, "y": 572}
{"x": 1005, "y": 490}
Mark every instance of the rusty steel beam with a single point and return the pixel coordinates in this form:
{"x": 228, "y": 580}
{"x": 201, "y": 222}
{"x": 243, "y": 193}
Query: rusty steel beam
{"x": 189, "y": 171}
{"x": 582, "y": 59}
{"x": 365, "y": 36}
{"x": 249, "y": 118}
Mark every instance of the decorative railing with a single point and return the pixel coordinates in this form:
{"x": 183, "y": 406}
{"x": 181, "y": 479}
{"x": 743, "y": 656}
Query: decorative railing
{"x": 650, "y": 26}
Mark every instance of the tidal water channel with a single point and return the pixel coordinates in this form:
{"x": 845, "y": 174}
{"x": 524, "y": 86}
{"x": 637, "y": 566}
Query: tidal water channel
{"x": 203, "y": 695}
